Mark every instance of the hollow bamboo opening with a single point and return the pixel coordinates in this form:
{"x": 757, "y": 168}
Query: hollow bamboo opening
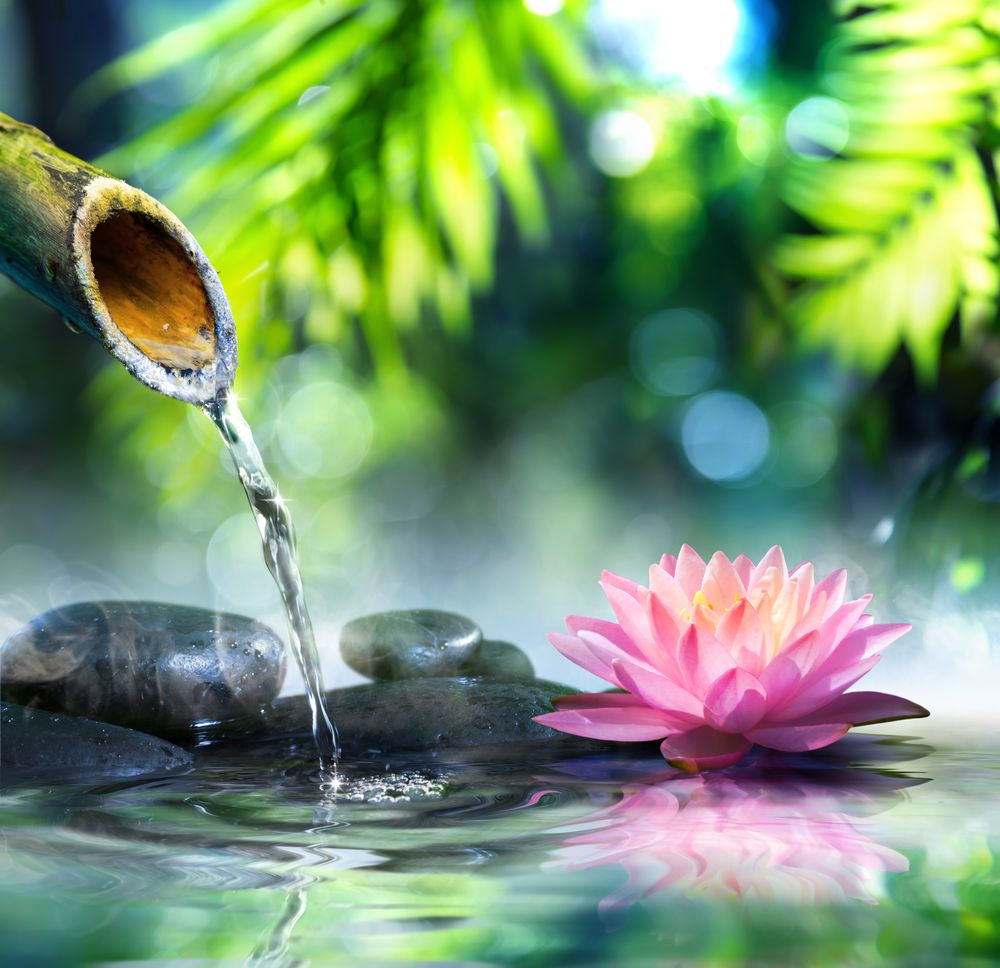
{"x": 153, "y": 291}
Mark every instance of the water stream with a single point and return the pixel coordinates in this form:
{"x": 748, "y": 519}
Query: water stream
{"x": 274, "y": 521}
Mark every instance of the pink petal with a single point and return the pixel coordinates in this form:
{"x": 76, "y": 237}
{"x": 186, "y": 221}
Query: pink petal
{"x": 667, "y": 629}
{"x": 576, "y": 650}
{"x": 669, "y": 564}
{"x": 783, "y": 674}
{"x": 625, "y": 584}
{"x": 740, "y": 632}
{"x": 830, "y": 632}
{"x": 608, "y": 715}
{"x": 804, "y": 575}
{"x": 703, "y": 748}
{"x": 702, "y": 659}
{"x": 722, "y": 586}
{"x": 608, "y": 653}
{"x": 622, "y": 726}
{"x": 863, "y": 708}
{"x": 631, "y": 615}
{"x": 611, "y": 631}
{"x": 863, "y": 643}
{"x": 813, "y": 694}
{"x": 797, "y": 739}
{"x": 775, "y": 558}
{"x": 665, "y": 587}
{"x": 658, "y": 691}
{"x": 830, "y": 591}
{"x": 844, "y": 619}
{"x": 743, "y": 567}
{"x": 735, "y": 702}
{"x": 690, "y": 570}
{"x": 589, "y": 700}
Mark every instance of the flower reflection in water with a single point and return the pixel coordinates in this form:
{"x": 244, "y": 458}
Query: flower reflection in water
{"x": 785, "y": 842}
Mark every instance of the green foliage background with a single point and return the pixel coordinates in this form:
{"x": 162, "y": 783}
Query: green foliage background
{"x": 420, "y": 249}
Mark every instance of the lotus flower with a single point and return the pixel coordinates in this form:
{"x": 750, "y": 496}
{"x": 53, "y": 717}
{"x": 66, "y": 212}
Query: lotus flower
{"x": 715, "y": 658}
{"x": 786, "y": 842}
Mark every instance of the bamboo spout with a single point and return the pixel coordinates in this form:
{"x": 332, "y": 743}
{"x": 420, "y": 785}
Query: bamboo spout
{"x": 115, "y": 263}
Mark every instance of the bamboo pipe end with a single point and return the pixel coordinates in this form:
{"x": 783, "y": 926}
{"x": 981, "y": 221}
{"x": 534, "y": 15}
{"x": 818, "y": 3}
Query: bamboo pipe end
{"x": 157, "y": 302}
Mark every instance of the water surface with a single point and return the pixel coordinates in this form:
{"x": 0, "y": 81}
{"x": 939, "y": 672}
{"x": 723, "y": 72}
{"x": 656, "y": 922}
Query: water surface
{"x": 881, "y": 849}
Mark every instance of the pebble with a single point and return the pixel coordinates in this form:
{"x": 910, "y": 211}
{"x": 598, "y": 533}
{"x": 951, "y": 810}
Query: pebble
{"x": 41, "y": 745}
{"x": 426, "y": 714}
{"x": 164, "y": 669}
{"x": 498, "y": 660}
{"x": 408, "y": 644}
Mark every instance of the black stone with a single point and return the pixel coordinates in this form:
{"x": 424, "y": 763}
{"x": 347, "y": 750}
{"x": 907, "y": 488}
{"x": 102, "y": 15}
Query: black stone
{"x": 408, "y": 644}
{"x": 35, "y": 744}
{"x": 498, "y": 660}
{"x": 165, "y": 669}
{"x": 425, "y": 714}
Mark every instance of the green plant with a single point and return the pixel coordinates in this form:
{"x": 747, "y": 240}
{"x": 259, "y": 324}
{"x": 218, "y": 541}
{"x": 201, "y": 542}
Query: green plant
{"x": 355, "y": 154}
{"x": 896, "y": 181}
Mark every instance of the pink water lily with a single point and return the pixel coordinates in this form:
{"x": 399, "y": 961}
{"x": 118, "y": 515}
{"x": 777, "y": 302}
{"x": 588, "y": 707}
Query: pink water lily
{"x": 715, "y": 658}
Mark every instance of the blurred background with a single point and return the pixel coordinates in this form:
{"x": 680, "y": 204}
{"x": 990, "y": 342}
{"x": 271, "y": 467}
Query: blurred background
{"x": 530, "y": 288}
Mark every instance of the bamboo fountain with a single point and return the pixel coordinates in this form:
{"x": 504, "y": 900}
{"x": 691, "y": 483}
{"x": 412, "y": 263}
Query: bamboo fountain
{"x": 116, "y": 263}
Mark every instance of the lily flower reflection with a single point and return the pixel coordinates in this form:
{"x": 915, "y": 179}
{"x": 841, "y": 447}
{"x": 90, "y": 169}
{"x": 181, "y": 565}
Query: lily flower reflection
{"x": 712, "y": 835}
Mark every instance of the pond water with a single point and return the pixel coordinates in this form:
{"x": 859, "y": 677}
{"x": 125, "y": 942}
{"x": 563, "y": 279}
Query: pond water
{"x": 881, "y": 849}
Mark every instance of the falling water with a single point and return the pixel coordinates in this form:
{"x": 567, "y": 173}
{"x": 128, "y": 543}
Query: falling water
{"x": 278, "y": 538}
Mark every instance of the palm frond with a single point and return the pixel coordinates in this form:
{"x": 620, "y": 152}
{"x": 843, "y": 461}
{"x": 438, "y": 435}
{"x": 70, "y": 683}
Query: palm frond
{"x": 370, "y": 142}
{"x": 903, "y": 214}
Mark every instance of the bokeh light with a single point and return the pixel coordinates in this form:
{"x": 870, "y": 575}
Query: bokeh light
{"x": 326, "y": 431}
{"x": 725, "y": 436}
{"x": 755, "y": 137}
{"x": 817, "y": 127}
{"x": 234, "y": 565}
{"x": 805, "y": 444}
{"x": 621, "y": 143}
{"x": 675, "y": 353}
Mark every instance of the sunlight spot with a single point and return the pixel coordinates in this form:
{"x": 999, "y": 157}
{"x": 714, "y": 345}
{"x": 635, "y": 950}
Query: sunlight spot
{"x": 704, "y": 46}
{"x": 544, "y": 8}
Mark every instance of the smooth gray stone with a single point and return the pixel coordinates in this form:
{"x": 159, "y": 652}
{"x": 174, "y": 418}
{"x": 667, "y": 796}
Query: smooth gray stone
{"x": 408, "y": 644}
{"x": 498, "y": 660}
{"x": 35, "y": 744}
{"x": 425, "y": 714}
{"x": 164, "y": 669}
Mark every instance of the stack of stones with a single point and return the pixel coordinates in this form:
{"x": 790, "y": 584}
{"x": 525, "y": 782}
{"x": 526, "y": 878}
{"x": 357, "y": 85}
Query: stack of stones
{"x": 424, "y": 643}
{"x": 98, "y": 688}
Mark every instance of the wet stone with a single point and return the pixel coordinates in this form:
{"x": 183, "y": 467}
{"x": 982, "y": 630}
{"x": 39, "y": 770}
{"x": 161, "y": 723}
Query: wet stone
{"x": 41, "y": 745}
{"x": 165, "y": 669}
{"x": 408, "y": 644}
{"x": 498, "y": 660}
{"x": 428, "y": 714}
